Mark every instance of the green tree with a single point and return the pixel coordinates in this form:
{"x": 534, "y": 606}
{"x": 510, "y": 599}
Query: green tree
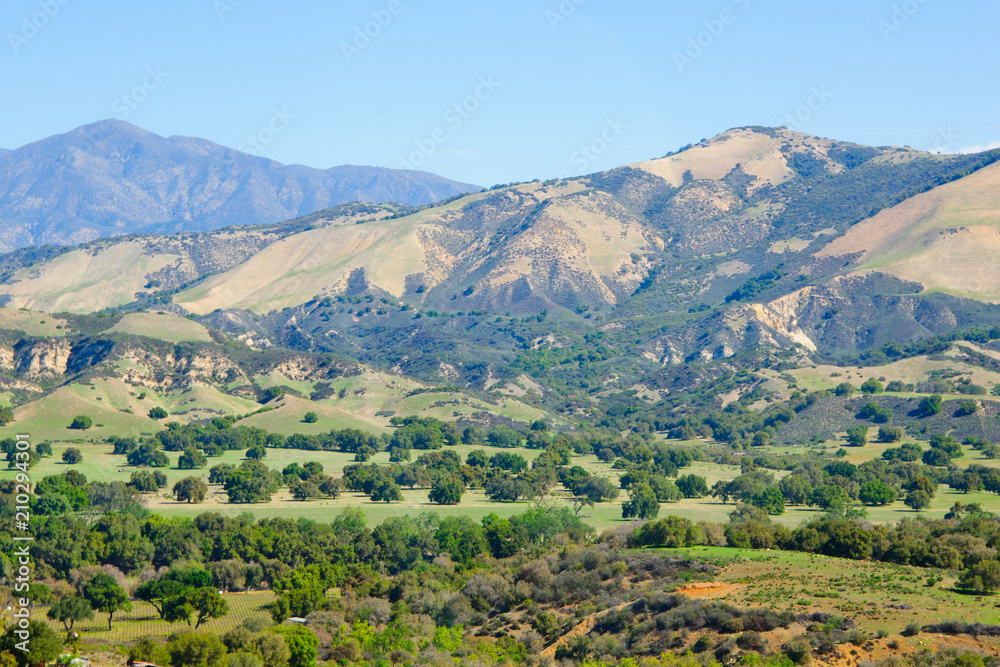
{"x": 642, "y": 503}
{"x": 387, "y": 491}
{"x": 72, "y": 456}
{"x": 505, "y": 488}
{"x": 875, "y": 412}
{"x": 147, "y": 454}
{"x": 149, "y": 650}
{"x": 177, "y": 609}
{"x": 43, "y": 647}
{"x": 770, "y": 500}
{"x": 143, "y": 481}
{"x": 844, "y": 389}
{"x": 70, "y": 610}
{"x": 936, "y": 457}
{"x": 982, "y": 577}
{"x": 876, "y": 492}
{"x": 191, "y": 458}
{"x": 966, "y": 408}
{"x": 596, "y": 489}
{"x": 197, "y": 649}
{"x": 828, "y": 497}
{"x": 795, "y": 489}
{"x": 671, "y": 532}
{"x": 256, "y": 452}
{"x": 693, "y": 486}
{"x": 207, "y": 603}
{"x": 857, "y": 436}
{"x": 81, "y": 423}
{"x": 447, "y": 491}
{"x": 272, "y": 649}
{"x": 244, "y": 659}
{"x": 917, "y": 500}
{"x": 461, "y": 538}
{"x": 399, "y": 455}
{"x": 302, "y": 644}
{"x": 105, "y": 595}
{"x": 504, "y": 539}
{"x": 872, "y": 386}
{"x": 158, "y": 591}
{"x": 252, "y": 482}
{"x": 310, "y": 418}
{"x": 305, "y": 490}
{"x": 509, "y": 461}
{"x": 158, "y": 413}
{"x": 190, "y": 490}
{"x": 890, "y": 433}
{"x": 931, "y": 405}
{"x": 478, "y": 458}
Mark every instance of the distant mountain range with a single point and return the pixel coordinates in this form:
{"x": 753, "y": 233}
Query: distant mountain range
{"x": 757, "y": 242}
{"x": 112, "y": 178}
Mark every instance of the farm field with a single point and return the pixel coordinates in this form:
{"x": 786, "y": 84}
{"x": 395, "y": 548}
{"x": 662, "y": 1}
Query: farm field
{"x": 144, "y": 621}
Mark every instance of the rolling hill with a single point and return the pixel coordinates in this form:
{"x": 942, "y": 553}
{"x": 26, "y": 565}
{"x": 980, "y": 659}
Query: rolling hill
{"x": 947, "y": 240}
{"x": 751, "y": 243}
{"x": 112, "y": 178}
{"x": 117, "y": 368}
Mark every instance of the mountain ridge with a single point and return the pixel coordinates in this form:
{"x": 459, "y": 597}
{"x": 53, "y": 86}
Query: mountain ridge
{"x": 712, "y": 255}
{"x": 112, "y": 178}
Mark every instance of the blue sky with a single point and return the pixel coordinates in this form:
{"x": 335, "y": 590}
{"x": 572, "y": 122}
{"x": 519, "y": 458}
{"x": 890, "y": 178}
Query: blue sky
{"x": 501, "y": 91}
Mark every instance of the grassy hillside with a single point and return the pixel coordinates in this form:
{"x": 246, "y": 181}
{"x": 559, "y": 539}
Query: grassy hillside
{"x": 87, "y": 280}
{"x": 161, "y": 326}
{"x": 947, "y": 239}
{"x": 588, "y": 241}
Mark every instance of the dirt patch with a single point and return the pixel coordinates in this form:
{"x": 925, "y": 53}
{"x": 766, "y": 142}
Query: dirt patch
{"x": 709, "y": 590}
{"x": 579, "y": 630}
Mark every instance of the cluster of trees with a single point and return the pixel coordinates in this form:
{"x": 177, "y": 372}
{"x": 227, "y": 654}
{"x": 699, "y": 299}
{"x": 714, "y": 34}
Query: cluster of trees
{"x": 835, "y": 485}
{"x": 186, "y": 592}
{"x": 503, "y": 476}
{"x": 178, "y": 559}
{"x": 250, "y": 482}
{"x": 966, "y": 540}
{"x": 70, "y": 492}
{"x": 646, "y": 478}
{"x": 23, "y": 459}
{"x": 737, "y": 424}
{"x": 247, "y": 645}
{"x": 309, "y": 481}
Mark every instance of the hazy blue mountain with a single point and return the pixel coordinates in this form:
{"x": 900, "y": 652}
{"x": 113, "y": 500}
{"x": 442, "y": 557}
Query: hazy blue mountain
{"x": 112, "y": 178}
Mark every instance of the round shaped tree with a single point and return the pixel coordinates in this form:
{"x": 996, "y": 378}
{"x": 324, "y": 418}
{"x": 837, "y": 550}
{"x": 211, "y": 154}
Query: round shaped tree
{"x": 81, "y": 423}
{"x": 447, "y": 491}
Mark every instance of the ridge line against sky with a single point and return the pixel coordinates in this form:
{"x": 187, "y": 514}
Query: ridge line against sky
{"x": 498, "y": 93}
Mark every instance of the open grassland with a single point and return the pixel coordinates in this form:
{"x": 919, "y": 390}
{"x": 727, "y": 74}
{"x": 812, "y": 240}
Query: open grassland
{"x": 99, "y": 464}
{"x": 293, "y": 270}
{"x": 947, "y": 239}
{"x": 759, "y": 154}
{"x": 49, "y": 417}
{"x": 879, "y": 596}
{"x": 87, "y": 279}
{"x": 369, "y": 400}
{"x": 161, "y": 326}
{"x": 32, "y": 324}
{"x": 115, "y": 407}
{"x": 366, "y": 401}
{"x": 908, "y": 371}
